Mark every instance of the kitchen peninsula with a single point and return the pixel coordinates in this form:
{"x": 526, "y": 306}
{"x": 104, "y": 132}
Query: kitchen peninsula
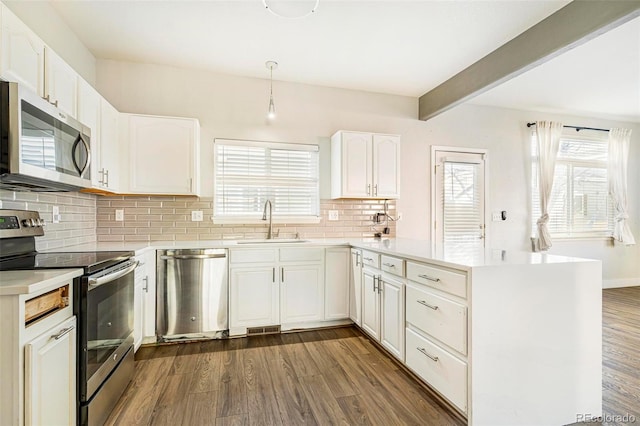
{"x": 505, "y": 337}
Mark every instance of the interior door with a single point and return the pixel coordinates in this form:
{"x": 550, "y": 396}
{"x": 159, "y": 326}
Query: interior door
{"x": 459, "y": 204}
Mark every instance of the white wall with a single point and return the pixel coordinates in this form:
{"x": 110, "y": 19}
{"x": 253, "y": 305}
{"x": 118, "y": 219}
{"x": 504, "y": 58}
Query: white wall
{"x": 235, "y": 107}
{"x": 42, "y": 18}
{"x": 504, "y": 133}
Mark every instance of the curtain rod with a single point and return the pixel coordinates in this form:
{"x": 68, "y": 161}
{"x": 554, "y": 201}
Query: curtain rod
{"x": 578, "y": 128}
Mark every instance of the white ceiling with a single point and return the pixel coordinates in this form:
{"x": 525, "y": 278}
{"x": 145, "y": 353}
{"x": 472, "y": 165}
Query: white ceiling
{"x": 392, "y": 46}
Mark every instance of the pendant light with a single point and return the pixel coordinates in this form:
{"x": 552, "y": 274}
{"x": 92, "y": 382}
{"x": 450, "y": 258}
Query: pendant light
{"x": 271, "y": 113}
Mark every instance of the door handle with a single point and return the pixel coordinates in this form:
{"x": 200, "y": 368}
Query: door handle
{"x": 62, "y": 332}
{"x": 375, "y": 288}
{"x": 79, "y": 139}
{"x": 146, "y": 284}
{"x": 273, "y": 276}
{"x": 282, "y": 275}
{"x": 424, "y": 303}
{"x": 425, "y": 353}
{"x": 369, "y": 189}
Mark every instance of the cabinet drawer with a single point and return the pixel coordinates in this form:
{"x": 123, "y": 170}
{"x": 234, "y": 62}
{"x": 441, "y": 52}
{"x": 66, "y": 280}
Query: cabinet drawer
{"x": 252, "y": 256}
{"x": 371, "y": 259}
{"x": 441, "y": 318}
{"x": 297, "y": 254}
{"x": 392, "y": 265}
{"x": 444, "y": 372}
{"x": 451, "y": 282}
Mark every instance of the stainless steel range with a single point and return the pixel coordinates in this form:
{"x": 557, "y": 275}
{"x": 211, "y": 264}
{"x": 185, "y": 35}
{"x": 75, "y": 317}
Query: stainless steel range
{"x": 103, "y": 304}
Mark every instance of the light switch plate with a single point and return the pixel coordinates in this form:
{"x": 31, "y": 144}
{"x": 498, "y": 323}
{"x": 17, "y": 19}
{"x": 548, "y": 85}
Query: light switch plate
{"x": 196, "y": 216}
{"x": 119, "y": 215}
{"x": 333, "y": 215}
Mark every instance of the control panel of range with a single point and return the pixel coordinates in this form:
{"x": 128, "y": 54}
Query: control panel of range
{"x": 20, "y": 223}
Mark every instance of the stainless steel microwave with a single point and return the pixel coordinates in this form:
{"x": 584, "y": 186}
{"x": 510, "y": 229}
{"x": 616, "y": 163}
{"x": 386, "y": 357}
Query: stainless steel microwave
{"x": 41, "y": 148}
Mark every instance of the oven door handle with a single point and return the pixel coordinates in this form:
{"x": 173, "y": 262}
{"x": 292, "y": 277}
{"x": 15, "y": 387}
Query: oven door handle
{"x": 97, "y": 282}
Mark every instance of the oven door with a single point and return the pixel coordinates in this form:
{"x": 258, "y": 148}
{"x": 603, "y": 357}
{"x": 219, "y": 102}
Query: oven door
{"x": 106, "y": 325}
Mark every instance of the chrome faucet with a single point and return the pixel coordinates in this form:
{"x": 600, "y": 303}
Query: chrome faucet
{"x": 264, "y": 217}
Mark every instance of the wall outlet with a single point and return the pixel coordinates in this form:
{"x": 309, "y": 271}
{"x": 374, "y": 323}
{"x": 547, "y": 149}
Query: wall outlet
{"x": 55, "y": 214}
{"x": 119, "y": 215}
{"x": 196, "y": 216}
{"x": 333, "y": 215}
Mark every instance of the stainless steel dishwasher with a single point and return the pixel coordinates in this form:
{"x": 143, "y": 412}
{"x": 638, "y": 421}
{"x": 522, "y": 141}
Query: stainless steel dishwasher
{"x": 192, "y": 294}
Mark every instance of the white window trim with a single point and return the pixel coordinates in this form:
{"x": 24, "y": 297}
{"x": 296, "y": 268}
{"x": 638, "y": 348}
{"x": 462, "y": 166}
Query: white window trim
{"x": 581, "y": 236}
{"x": 453, "y": 150}
{"x": 254, "y": 219}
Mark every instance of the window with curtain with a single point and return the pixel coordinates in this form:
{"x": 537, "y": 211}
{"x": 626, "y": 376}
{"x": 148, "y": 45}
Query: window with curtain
{"x": 580, "y": 202}
{"x": 248, "y": 173}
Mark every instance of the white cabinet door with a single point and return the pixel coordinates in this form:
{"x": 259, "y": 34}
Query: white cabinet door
{"x": 386, "y": 166}
{"x": 22, "y": 54}
{"x": 355, "y": 287}
{"x": 149, "y": 287}
{"x": 50, "y": 376}
{"x": 392, "y": 316}
{"x": 253, "y": 297}
{"x": 370, "y": 303}
{"x": 336, "y": 291}
{"x": 60, "y": 83}
{"x": 109, "y": 170}
{"x": 301, "y": 292}
{"x": 89, "y": 115}
{"x": 164, "y": 155}
{"x": 351, "y": 165}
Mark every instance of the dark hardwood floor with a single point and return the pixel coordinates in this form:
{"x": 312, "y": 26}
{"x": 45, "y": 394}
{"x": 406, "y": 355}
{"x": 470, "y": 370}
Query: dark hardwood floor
{"x": 334, "y": 376}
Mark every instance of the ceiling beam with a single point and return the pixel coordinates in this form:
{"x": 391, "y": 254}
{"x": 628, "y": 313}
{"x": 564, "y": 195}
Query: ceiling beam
{"x": 571, "y": 26}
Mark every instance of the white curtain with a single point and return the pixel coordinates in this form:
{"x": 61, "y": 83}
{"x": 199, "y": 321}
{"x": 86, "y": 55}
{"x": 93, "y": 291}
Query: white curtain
{"x": 617, "y": 172}
{"x": 548, "y": 137}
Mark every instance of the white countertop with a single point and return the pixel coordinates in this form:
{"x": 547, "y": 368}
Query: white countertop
{"x": 27, "y": 282}
{"x": 458, "y": 256}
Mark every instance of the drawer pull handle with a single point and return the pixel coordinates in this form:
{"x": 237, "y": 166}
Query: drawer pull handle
{"x": 427, "y": 277}
{"x": 62, "y": 333}
{"x": 390, "y": 265}
{"x": 368, "y": 259}
{"x": 431, "y": 357}
{"x": 422, "y": 302}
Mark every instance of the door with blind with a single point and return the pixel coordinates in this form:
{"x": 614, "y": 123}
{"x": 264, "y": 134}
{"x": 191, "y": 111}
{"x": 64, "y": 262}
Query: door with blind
{"x": 458, "y": 200}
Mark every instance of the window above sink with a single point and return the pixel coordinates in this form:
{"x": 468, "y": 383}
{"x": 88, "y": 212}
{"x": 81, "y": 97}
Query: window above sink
{"x": 248, "y": 173}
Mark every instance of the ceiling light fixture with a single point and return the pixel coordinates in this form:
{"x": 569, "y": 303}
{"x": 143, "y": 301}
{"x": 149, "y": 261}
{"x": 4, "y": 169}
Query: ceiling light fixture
{"x": 271, "y": 65}
{"x": 292, "y": 9}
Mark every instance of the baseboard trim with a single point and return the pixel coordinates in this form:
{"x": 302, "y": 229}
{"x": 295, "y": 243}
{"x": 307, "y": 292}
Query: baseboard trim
{"x": 622, "y": 282}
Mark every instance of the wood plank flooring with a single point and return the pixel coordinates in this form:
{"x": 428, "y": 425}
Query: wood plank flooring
{"x": 332, "y": 376}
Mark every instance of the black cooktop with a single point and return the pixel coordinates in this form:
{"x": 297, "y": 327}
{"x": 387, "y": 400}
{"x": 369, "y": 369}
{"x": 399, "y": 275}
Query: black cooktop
{"x": 91, "y": 261}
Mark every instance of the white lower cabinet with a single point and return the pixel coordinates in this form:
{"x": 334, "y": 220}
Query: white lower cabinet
{"x": 337, "y": 281}
{"x": 301, "y": 293}
{"x": 355, "y": 287}
{"x": 383, "y": 309}
{"x": 370, "y": 303}
{"x": 291, "y": 287}
{"x": 443, "y": 371}
{"x": 253, "y": 298}
{"x": 50, "y": 376}
{"x": 144, "y": 296}
{"x": 392, "y": 315}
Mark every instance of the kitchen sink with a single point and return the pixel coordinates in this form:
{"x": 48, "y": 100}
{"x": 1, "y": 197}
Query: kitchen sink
{"x": 272, "y": 241}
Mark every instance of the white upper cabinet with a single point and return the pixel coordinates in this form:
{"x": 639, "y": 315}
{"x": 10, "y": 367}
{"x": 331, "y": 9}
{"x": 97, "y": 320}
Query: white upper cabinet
{"x": 386, "y": 166}
{"x": 22, "y": 55}
{"x": 108, "y": 168}
{"x": 164, "y": 155}
{"x": 365, "y": 165}
{"x": 60, "y": 83}
{"x": 89, "y": 115}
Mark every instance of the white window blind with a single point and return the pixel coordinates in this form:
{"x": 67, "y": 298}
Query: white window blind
{"x": 462, "y": 203}
{"x": 580, "y": 203}
{"x": 249, "y": 173}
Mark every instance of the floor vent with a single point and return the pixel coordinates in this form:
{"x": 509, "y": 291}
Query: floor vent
{"x": 270, "y": 329}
